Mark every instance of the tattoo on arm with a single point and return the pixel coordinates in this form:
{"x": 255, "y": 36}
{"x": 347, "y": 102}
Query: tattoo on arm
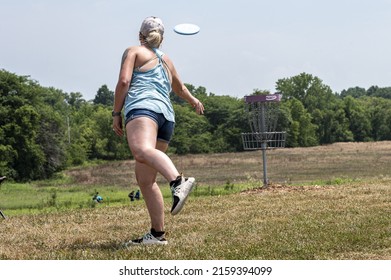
{"x": 124, "y": 56}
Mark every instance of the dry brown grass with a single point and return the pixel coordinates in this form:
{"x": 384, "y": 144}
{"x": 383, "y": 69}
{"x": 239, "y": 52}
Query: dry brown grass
{"x": 294, "y": 166}
{"x": 351, "y": 220}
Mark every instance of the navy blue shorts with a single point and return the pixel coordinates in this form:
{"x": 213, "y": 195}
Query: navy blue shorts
{"x": 165, "y": 127}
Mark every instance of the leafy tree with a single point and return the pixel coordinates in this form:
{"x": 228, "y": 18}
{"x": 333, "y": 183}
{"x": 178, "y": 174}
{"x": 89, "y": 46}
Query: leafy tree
{"x": 380, "y": 112}
{"x": 301, "y": 131}
{"x": 30, "y": 145}
{"x": 51, "y": 140}
{"x": 106, "y": 144}
{"x": 286, "y": 123}
{"x": 43, "y": 130}
{"x": 191, "y": 133}
{"x": 260, "y": 92}
{"x": 227, "y": 120}
{"x": 75, "y": 99}
{"x": 318, "y": 99}
{"x": 355, "y": 92}
{"x": 359, "y": 119}
{"x": 309, "y": 89}
{"x": 375, "y": 91}
{"x": 339, "y": 129}
{"x": 104, "y": 96}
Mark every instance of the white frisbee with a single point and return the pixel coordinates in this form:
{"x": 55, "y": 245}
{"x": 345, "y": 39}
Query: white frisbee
{"x": 187, "y": 29}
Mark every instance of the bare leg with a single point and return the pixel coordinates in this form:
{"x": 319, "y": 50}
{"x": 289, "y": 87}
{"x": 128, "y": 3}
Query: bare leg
{"x": 150, "y": 158}
{"x": 146, "y": 179}
{"x": 142, "y": 133}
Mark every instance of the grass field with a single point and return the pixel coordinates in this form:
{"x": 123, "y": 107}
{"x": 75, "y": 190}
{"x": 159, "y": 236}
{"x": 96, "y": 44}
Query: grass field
{"x": 329, "y": 202}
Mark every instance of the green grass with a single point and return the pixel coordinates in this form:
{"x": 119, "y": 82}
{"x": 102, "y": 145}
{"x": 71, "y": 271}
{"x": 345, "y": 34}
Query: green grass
{"x": 334, "y": 181}
{"x": 61, "y": 194}
{"x": 18, "y": 199}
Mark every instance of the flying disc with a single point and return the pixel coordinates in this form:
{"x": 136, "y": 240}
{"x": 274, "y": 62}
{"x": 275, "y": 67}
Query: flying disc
{"x": 187, "y": 29}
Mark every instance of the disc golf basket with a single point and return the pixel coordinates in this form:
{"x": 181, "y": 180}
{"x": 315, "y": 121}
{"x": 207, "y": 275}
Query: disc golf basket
{"x": 263, "y": 113}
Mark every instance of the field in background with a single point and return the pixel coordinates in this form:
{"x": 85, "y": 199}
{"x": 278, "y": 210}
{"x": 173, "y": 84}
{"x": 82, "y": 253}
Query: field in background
{"x": 329, "y": 202}
{"x": 285, "y": 166}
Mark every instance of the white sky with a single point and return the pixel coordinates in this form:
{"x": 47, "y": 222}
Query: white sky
{"x": 76, "y": 45}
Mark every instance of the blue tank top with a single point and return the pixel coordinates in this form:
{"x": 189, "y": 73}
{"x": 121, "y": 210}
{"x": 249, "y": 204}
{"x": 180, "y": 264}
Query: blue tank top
{"x": 151, "y": 90}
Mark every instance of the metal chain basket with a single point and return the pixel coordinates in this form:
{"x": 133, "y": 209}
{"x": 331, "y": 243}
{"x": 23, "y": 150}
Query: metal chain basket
{"x": 262, "y": 113}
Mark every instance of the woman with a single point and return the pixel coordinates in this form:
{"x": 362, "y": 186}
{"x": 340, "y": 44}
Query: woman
{"x": 146, "y": 78}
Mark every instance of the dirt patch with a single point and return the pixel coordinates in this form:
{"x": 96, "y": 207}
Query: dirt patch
{"x": 284, "y": 188}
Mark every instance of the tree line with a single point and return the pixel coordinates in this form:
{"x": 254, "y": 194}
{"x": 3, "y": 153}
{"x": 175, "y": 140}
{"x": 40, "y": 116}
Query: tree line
{"x": 44, "y": 130}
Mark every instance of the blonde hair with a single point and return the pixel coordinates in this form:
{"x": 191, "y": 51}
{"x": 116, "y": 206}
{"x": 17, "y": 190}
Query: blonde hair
{"x": 153, "y": 39}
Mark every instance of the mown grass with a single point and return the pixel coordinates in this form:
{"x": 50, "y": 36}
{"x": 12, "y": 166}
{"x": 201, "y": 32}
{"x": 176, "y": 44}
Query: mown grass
{"x": 29, "y": 198}
{"x": 318, "y": 215}
{"x": 45, "y": 197}
{"x": 351, "y": 221}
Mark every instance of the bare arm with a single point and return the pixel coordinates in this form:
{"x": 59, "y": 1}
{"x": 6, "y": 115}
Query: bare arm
{"x": 125, "y": 76}
{"x": 181, "y": 90}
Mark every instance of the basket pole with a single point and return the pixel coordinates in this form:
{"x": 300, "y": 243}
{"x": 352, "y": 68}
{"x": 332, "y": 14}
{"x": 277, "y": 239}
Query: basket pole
{"x": 263, "y": 144}
{"x": 265, "y": 180}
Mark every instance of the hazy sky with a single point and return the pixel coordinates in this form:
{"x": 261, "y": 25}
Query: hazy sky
{"x": 76, "y": 45}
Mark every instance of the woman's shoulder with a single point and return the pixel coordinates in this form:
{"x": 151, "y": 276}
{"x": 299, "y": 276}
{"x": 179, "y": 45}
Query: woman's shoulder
{"x": 167, "y": 59}
{"x": 134, "y": 48}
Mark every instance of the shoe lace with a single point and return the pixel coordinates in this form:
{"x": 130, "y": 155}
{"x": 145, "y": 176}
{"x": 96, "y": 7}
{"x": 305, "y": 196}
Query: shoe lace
{"x": 176, "y": 189}
{"x": 148, "y": 236}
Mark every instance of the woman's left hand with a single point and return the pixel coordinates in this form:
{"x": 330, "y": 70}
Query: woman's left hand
{"x": 199, "y": 107}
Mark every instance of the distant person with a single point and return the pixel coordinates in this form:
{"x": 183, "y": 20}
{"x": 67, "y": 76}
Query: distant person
{"x": 146, "y": 79}
{"x": 97, "y": 198}
{"x": 137, "y": 195}
{"x": 131, "y": 196}
{"x": 134, "y": 196}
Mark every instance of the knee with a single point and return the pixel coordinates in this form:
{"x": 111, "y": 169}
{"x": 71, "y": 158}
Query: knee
{"x": 145, "y": 183}
{"x": 140, "y": 155}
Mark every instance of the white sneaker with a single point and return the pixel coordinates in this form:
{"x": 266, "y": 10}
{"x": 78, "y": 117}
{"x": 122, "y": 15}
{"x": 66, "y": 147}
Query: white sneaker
{"x": 147, "y": 239}
{"x": 180, "y": 192}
